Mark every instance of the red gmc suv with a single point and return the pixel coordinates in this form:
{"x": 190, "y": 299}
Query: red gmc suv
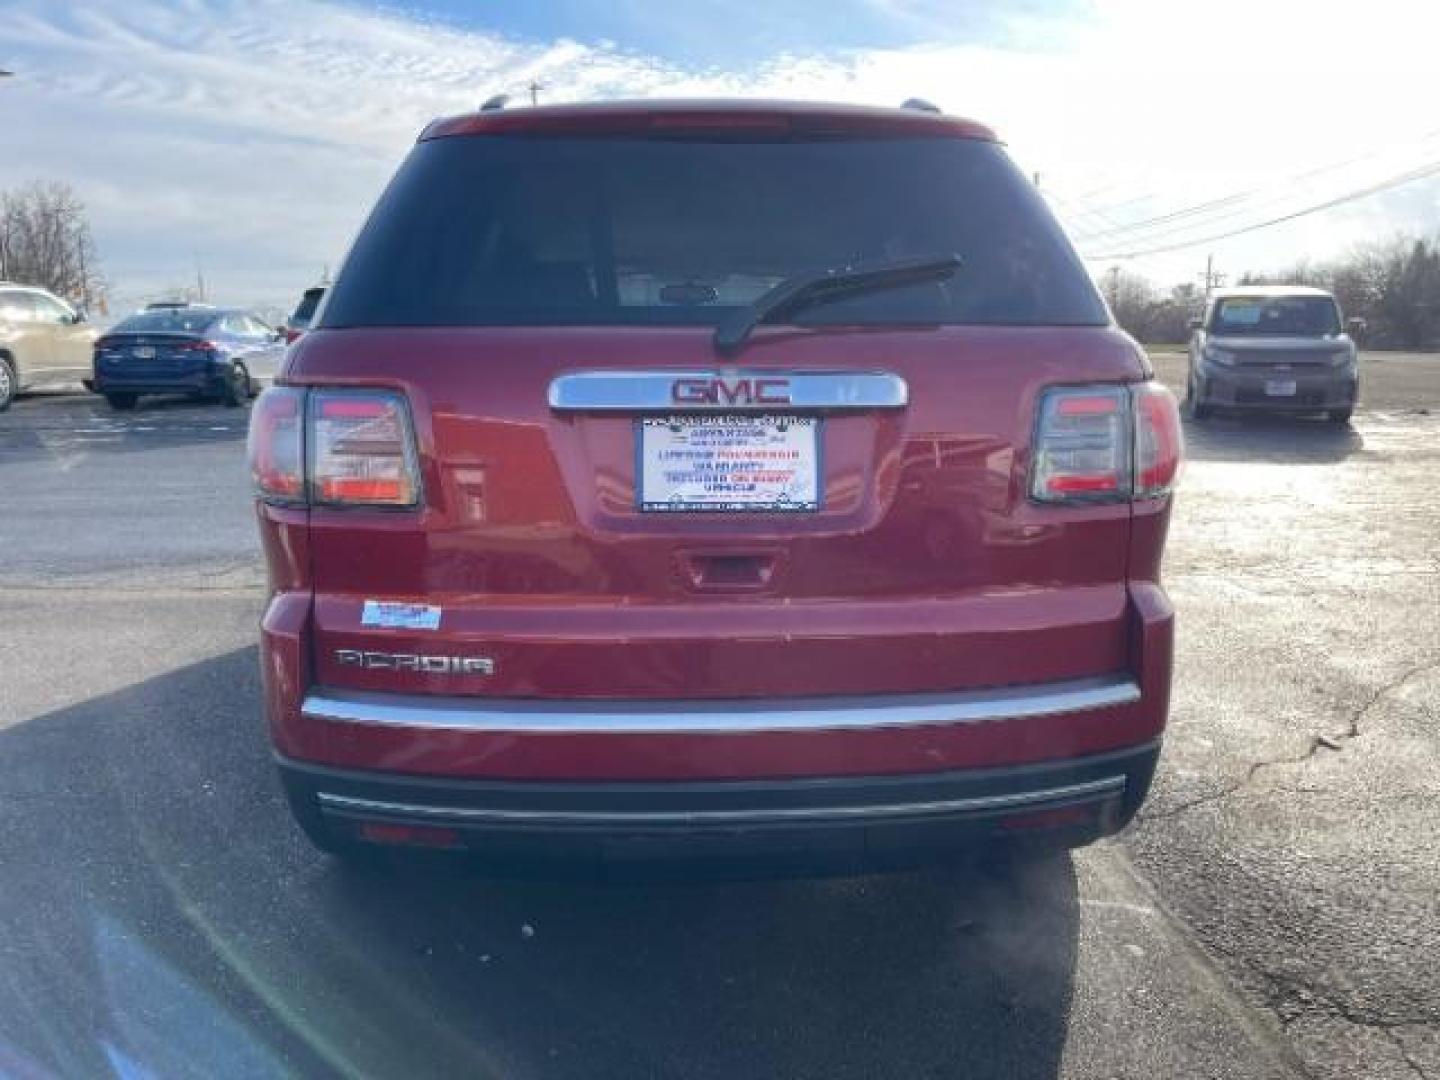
{"x": 671, "y": 479}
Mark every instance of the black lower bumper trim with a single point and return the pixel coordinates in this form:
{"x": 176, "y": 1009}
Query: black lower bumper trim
{"x": 1085, "y": 797}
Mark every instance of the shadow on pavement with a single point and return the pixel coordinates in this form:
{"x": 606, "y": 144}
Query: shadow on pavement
{"x": 161, "y": 916}
{"x": 1276, "y": 440}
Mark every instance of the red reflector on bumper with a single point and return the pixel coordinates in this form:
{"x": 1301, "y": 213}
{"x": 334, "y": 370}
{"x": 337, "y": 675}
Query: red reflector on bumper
{"x": 1050, "y": 819}
{"x": 378, "y": 832}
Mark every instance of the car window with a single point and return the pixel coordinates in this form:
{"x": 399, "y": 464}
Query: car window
{"x": 305, "y": 310}
{"x": 16, "y": 307}
{"x": 255, "y": 328}
{"x": 1303, "y": 316}
{"x": 174, "y": 321}
{"x": 501, "y": 230}
{"x": 49, "y": 310}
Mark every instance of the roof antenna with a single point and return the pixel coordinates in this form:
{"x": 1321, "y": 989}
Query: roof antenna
{"x": 496, "y": 103}
{"x": 920, "y": 105}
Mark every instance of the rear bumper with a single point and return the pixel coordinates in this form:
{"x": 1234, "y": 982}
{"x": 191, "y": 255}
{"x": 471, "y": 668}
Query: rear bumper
{"x": 842, "y": 777}
{"x": 479, "y": 737}
{"x": 202, "y": 382}
{"x": 861, "y": 820}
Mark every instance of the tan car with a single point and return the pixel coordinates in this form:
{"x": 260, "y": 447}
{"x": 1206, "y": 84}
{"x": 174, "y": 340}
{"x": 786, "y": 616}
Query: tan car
{"x": 43, "y": 341}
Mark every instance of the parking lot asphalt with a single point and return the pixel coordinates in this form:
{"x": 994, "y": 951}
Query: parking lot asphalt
{"x": 1273, "y": 913}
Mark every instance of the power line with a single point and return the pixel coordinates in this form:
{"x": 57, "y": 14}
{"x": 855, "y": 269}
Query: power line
{"x": 1431, "y": 169}
{"x": 1233, "y": 198}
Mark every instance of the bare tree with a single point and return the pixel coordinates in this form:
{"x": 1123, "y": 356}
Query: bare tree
{"x": 45, "y": 240}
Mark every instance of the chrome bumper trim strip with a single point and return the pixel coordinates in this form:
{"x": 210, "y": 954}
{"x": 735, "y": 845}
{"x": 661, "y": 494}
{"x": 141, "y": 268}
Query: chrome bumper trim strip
{"x": 720, "y": 717}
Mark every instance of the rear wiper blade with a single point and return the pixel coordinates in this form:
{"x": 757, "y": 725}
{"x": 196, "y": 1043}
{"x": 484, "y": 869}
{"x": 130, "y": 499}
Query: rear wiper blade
{"x": 822, "y": 286}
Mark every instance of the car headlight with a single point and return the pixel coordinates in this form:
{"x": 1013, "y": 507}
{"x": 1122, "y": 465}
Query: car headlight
{"x": 1219, "y": 356}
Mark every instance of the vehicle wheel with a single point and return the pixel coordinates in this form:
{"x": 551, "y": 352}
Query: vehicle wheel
{"x": 9, "y": 383}
{"x": 1340, "y": 416}
{"x": 122, "y": 402}
{"x": 1197, "y": 409}
{"x": 237, "y": 387}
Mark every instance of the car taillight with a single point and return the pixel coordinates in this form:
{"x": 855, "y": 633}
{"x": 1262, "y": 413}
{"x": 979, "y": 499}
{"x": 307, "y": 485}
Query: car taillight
{"x": 333, "y": 448}
{"x": 1082, "y": 445}
{"x": 361, "y": 449}
{"x": 1106, "y": 443}
{"x": 196, "y": 346}
{"x": 276, "y": 445}
{"x": 291, "y": 335}
{"x": 1159, "y": 444}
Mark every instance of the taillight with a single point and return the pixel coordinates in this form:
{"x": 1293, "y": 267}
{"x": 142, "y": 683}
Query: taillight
{"x": 1106, "y": 443}
{"x": 1082, "y": 445}
{"x": 291, "y": 335}
{"x": 361, "y": 449}
{"x": 196, "y": 346}
{"x": 333, "y": 448}
{"x": 1159, "y": 444}
{"x": 276, "y": 445}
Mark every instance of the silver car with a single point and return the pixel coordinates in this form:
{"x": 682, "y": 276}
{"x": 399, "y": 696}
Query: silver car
{"x": 43, "y": 341}
{"x": 1273, "y": 349}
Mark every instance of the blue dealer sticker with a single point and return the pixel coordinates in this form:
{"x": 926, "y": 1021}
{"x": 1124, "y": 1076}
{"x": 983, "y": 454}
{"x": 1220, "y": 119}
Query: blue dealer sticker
{"x": 400, "y": 616}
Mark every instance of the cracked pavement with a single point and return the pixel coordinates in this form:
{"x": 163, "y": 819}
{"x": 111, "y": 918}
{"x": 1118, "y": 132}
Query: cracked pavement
{"x": 1295, "y": 820}
{"x": 1274, "y": 912}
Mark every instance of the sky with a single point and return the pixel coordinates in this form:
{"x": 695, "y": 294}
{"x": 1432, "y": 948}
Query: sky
{"x": 247, "y": 139}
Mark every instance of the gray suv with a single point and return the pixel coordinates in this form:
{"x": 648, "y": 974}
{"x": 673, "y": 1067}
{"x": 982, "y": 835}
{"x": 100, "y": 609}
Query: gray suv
{"x": 1274, "y": 349}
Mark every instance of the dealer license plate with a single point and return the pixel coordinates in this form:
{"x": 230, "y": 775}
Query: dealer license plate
{"x": 728, "y": 463}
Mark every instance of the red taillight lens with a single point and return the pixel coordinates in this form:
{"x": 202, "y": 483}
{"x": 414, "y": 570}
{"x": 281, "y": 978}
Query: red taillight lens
{"x": 275, "y": 447}
{"x": 1082, "y": 445}
{"x": 333, "y": 448}
{"x": 361, "y": 449}
{"x": 1159, "y": 443}
{"x": 1105, "y": 443}
{"x": 196, "y": 346}
{"x": 291, "y": 335}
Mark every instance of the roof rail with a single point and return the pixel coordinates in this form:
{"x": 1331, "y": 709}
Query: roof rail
{"x": 496, "y": 103}
{"x": 920, "y": 105}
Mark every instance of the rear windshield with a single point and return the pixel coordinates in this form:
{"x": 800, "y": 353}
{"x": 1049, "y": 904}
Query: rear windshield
{"x": 509, "y": 230}
{"x": 1300, "y": 316}
{"x": 166, "y": 321}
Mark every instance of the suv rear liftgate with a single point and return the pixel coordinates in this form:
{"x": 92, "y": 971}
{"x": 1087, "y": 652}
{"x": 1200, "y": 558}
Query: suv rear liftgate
{"x": 647, "y": 544}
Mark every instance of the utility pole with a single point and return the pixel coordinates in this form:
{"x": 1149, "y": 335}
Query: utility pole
{"x": 1212, "y": 278}
{"x": 535, "y": 87}
{"x": 84, "y": 280}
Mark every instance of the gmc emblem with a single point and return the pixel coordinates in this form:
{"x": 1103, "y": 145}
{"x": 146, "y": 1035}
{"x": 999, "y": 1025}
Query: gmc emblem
{"x": 720, "y": 391}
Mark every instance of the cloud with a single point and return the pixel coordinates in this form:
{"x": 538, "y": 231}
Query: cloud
{"x": 254, "y": 136}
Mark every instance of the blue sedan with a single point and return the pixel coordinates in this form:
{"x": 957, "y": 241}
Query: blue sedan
{"x": 223, "y": 354}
